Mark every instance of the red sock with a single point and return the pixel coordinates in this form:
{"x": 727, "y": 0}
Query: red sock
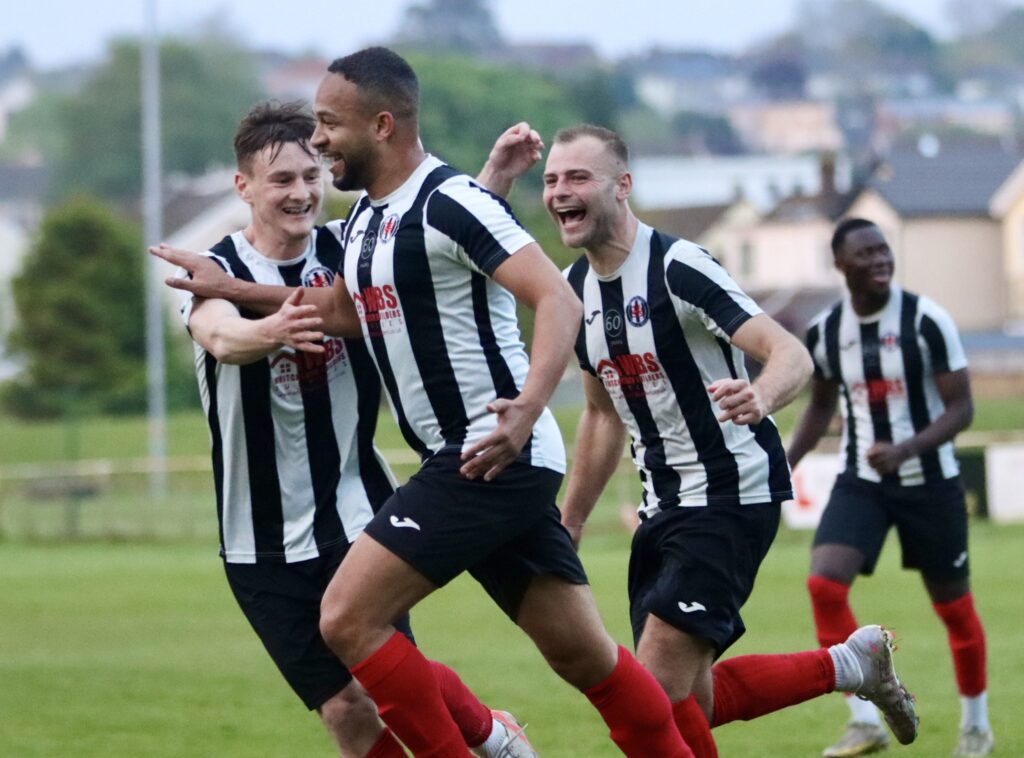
{"x": 966, "y": 641}
{"x": 386, "y": 746}
{"x": 401, "y": 683}
{"x": 471, "y": 716}
{"x": 693, "y": 725}
{"x": 750, "y": 686}
{"x": 833, "y": 618}
{"x": 637, "y": 712}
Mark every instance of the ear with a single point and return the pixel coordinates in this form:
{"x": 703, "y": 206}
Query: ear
{"x": 383, "y": 126}
{"x": 624, "y": 186}
{"x": 242, "y": 188}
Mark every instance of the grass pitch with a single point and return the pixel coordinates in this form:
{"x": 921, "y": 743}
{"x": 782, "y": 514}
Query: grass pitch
{"x": 111, "y": 649}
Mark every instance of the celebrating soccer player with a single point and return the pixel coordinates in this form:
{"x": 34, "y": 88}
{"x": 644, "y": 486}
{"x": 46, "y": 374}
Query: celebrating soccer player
{"x": 662, "y": 346}
{"x": 896, "y": 360}
{"x": 432, "y": 268}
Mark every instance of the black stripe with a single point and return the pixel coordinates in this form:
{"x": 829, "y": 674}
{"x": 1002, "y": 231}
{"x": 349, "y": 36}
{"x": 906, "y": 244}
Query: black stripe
{"x": 684, "y": 375}
{"x": 936, "y": 344}
{"x": 913, "y": 373}
{"x": 466, "y": 230}
{"x": 692, "y": 286}
{"x": 328, "y": 249}
{"x": 415, "y": 286}
{"x": 876, "y": 388}
{"x": 830, "y": 331}
{"x": 371, "y": 471}
{"x": 630, "y": 371}
{"x": 811, "y": 341}
{"x": 264, "y": 483}
{"x": 364, "y": 279}
{"x": 577, "y": 275}
{"x": 216, "y": 442}
{"x": 318, "y": 425}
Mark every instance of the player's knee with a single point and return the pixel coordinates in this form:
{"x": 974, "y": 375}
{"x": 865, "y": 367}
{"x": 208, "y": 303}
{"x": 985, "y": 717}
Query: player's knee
{"x": 339, "y": 627}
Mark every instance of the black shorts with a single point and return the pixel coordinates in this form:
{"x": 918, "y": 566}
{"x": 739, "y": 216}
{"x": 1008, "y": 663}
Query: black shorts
{"x": 694, "y": 568}
{"x": 504, "y": 532}
{"x": 282, "y": 603}
{"x": 931, "y": 521}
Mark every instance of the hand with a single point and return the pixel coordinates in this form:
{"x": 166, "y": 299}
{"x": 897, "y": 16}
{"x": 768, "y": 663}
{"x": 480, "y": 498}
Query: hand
{"x": 295, "y": 325}
{"x": 490, "y": 455}
{"x": 205, "y": 276}
{"x": 575, "y": 534}
{"x": 516, "y": 150}
{"x": 739, "y": 401}
{"x": 885, "y": 457}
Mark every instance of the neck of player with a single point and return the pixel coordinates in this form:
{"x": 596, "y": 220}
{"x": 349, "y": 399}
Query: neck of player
{"x": 274, "y": 243}
{"x": 866, "y": 303}
{"x": 394, "y": 171}
{"x": 607, "y": 256}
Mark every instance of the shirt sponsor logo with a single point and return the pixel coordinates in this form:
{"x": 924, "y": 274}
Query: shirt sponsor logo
{"x": 293, "y": 374}
{"x": 878, "y": 390}
{"x": 379, "y": 309}
{"x": 637, "y": 311}
{"x": 632, "y": 375}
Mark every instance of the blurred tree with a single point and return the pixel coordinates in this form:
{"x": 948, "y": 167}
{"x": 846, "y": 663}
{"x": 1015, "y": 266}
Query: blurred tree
{"x": 998, "y": 46}
{"x": 206, "y": 86}
{"x": 466, "y": 104}
{"x": 458, "y": 26}
{"x": 80, "y": 325}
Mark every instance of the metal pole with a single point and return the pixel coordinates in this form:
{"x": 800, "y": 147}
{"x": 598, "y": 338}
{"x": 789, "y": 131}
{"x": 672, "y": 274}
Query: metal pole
{"x": 153, "y": 229}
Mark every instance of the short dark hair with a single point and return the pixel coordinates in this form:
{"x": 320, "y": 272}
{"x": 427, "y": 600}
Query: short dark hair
{"x": 385, "y": 80}
{"x": 611, "y": 139}
{"x": 844, "y": 228}
{"x": 274, "y": 124}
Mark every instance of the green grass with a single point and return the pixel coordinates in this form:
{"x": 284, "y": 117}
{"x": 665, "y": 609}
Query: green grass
{"x": 129, "y": 650}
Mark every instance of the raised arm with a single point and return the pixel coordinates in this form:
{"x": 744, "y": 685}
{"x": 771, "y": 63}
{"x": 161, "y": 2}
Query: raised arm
{"x": 515, "y": 151}
{"x": 206, "y": 279}
{"x": 815, "y": 419}
{"x": 786, "y": 367}
{"x": 533, "y": 280}
{"x": 218, "y": 327}
{"x": 600, "y": 436}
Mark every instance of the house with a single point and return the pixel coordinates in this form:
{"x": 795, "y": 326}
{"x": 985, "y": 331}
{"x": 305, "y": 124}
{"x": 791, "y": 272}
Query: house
{"x": 933, "y": 200}
{"x": 1007, "y": 206}
{"x": 787, "y": 126}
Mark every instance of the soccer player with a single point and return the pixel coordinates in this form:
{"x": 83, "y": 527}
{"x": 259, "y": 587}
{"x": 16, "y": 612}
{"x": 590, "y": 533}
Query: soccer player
{"x": 896, "y": 360}
{"x": 432, "y": 268}
{"x": 297, "y": 475}
{"x": 662, "y": 347}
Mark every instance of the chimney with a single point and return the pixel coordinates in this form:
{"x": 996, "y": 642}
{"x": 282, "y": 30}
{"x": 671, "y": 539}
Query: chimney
{"x": 827, "y": 170}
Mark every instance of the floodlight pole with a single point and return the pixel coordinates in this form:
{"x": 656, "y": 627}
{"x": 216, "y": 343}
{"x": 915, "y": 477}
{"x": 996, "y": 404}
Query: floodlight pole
{"x": 153, "y": 230}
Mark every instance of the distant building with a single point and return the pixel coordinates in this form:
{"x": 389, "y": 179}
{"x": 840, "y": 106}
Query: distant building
{"x": 790, "y": 126}
{"x": 990, "y": 116}
{"x": 671, "y": 81}
{"x": 17, "y": 86}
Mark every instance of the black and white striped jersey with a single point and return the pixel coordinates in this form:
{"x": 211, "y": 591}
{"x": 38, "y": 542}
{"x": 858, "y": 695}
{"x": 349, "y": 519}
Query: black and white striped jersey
{"x": 443, "y": 334}
{"x": 886, "y": 365}
{"x": 657, "y": 333}
{"x": 294, "y": 463}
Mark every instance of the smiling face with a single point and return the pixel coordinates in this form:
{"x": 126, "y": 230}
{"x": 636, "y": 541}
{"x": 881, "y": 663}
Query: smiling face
{"x": 345, "y": 133}
{"x": 585, "y": 191}
{"x": 283, "y": 185}
{"x": 867, "y": 263}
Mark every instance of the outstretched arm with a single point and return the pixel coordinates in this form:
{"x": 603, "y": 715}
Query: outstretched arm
{"x": 515, "y": 151}
{"x": 600, "y": 436}
{"x": 217, "y": 326}
{"x": 206, "y": 279}
{"x": 533, "y": 280}
{"x": 786, "y": 367}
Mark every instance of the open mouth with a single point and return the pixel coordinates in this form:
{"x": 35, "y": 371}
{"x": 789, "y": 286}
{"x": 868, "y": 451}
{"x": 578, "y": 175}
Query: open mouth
{"x": 570, "y": 217}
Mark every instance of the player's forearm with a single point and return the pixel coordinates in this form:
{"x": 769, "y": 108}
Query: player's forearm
{"x": 809, "y": 431}
{"x": 556, "y": 324}
{"x": 260, "y": 298}
{"x": 599, "y": 442}
{"x": 498, "y": 182}
{"x": 236, "y": 341}
{"x": 785, "y": 372}
{"x": 951, "y": 422}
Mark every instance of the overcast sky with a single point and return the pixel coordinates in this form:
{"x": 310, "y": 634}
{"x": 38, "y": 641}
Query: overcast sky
{"x": 59, "y": 32}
